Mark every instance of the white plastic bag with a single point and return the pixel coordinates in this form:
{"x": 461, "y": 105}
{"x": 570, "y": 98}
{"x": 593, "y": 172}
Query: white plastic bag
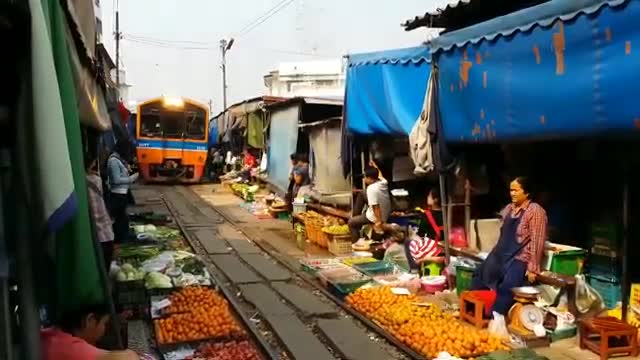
{"x": 587, "y": 298}
{"x": 395, "y": 254}
{"x": 498, "y": 326}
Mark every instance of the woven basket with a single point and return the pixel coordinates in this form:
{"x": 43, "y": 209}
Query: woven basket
{"x": 311, "y": 229}
{"x": 339, "y": 244}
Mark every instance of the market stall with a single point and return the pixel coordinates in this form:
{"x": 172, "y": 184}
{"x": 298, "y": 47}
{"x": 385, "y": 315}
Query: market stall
{"x": 544, "y": 50}
{"x": 159, "y": 279}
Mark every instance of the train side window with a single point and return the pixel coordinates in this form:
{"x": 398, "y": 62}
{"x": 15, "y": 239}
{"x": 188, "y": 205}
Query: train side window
{"x": 195, "y": 125}
{"x": 150, "y": 123}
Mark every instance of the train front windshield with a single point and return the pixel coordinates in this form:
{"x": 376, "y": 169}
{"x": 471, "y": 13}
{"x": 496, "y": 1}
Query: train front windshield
{"x": 158, "y": 121}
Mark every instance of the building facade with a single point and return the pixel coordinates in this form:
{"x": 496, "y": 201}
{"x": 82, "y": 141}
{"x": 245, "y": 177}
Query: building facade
{"x": 307, "y": 78}
{"x": 97, "y": 11}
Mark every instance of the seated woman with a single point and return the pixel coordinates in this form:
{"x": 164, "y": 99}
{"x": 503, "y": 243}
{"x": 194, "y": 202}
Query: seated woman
{"x": 249, "y": 162}
{"x": 431, "y": 224}
{"x": 76, "y": 335}
{"x": 517, "y": 256}
{"x": 300, "y": 179}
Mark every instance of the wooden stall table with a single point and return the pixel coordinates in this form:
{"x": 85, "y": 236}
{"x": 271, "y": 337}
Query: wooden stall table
{"x": 328, "y": 210}
{"x": 608, "y": 337}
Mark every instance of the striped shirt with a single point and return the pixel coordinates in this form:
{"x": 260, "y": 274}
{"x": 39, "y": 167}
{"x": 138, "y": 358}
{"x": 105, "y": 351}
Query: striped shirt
{"x": 533, "y": 227}
{"x": 103, "y": 223}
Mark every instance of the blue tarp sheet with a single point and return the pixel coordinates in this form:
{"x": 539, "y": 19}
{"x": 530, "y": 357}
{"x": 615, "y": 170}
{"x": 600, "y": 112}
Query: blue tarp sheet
{"x": 575, "y": 75}
{"x": 283, "y": 139}
{"x": 213, "y": 132}
{"x": 385, "y": 90}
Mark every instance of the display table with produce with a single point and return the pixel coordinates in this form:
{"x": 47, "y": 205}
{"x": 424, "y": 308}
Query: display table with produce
{"x": 197, "y": 323}
{"x": 166, "y": 284}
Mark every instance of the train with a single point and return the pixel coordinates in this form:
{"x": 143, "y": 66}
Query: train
{"x": 172, "y": 137}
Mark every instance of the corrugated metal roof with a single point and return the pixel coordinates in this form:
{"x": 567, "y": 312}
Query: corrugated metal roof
{"x": 396, "y": 56}
{"x": 543, "y": 15}
{"x": 315, "y": 100}
{"x": 424, "y": 20}
{"x": 459, "y": 14}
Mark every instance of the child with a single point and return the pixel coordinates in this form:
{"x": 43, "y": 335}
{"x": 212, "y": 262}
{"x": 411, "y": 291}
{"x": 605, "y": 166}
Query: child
{"x": 76, "y": 335}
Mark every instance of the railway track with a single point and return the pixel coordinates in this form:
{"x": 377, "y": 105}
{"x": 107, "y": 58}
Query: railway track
{"x": 288, "y": 315}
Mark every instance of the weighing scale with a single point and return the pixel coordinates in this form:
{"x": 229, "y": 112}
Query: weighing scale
{"x": 525, "y": 318}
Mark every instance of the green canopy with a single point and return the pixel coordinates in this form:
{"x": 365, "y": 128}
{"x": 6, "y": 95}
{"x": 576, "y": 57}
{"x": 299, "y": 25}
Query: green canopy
{"x": 55, "y": 109}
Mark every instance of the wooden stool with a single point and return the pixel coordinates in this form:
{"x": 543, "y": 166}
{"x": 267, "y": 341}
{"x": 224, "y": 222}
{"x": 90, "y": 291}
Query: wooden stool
{"x": 472, "y": 309}
{"x": 608, "y": 336}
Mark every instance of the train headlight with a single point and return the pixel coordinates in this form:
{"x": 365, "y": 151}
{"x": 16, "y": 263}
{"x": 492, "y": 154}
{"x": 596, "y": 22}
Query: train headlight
{"x": 173, "y": 102}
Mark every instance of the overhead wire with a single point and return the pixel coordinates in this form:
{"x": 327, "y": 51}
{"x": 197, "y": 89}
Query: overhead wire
{"x": 187, "y": 45}
{"x": 264, "y": 17}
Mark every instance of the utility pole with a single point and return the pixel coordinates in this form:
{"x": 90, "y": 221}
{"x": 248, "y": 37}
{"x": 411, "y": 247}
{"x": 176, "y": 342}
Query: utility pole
{"x": 118, "y": 36}
{"x": 224, "y": 47}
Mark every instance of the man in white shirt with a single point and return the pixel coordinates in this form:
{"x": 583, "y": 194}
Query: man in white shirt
{"x": 378, "y": 204}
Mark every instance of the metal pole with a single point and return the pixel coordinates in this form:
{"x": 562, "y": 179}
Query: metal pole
{"x": 28, "y": 308}
{"x": 467, "y": 210}
{"x": 625, "y": 244}
{"x": 223, "y": 48}
{"x": 6, "y": 342}
{"x": 445, "y": 217}
{"x": 118, "y": 48}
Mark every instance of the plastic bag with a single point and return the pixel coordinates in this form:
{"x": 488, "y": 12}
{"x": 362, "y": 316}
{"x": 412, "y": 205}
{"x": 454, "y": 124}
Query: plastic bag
{"x": 396, "y": 254}
{"x": 498, "y": 326}
{"x": 587, "y": 298}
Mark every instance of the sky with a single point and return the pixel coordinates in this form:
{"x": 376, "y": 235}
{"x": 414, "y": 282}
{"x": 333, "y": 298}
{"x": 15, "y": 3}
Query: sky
{"x": 171, "y": 47}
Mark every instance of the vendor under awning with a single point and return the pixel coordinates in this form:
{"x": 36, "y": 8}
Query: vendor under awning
{"x": 517, "y": 256}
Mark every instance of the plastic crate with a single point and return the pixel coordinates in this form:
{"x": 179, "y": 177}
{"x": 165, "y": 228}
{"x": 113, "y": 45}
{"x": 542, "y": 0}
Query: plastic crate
{"x": 558, "y": 335}
{"x": 375, "y": 268}
{"x": 299, "y": 208}
{"x": 565, "y": 260}
{"x": 605, "y": 234}
{"x": 130, "y": 292}
{"x": 312, "y": 266}
{"x": 344, "y": 280}
{"x": 609, "y": 288}
{"x": 464, "y": 276}
{"x": 339, "y": 244}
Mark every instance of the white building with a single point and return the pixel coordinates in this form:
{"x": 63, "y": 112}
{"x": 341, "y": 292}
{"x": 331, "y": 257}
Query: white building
{"x": 123, "y": 88}
{"x": 307, "y": 78}
{"x": 97, "y": 11}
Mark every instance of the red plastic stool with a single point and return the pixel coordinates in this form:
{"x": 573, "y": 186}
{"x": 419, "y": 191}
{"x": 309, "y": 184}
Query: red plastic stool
{"x": 475, "y": 306}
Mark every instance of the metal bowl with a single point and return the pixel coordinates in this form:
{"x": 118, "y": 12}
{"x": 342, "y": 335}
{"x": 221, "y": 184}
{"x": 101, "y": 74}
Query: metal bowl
{"x": 526, "y": 291}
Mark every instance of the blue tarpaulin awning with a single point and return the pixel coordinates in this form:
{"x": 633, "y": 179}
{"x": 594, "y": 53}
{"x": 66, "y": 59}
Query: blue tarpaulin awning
{"x": 385, "y": 90}
{"x": 560, "y": 69}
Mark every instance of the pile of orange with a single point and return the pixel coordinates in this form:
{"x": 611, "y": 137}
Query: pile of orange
{"x": 427, "y": 330}
{"x": 196, "y": 313}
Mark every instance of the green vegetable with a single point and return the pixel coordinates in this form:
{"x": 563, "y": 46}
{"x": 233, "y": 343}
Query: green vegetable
{"x": 156, "y": 280}
{"x": 193, "y": 266}
{"x": 139, "y": 252}
{"x": 127, "y": 267}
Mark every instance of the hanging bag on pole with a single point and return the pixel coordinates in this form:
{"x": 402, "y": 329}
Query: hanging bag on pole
{"x": 419, "y": 138}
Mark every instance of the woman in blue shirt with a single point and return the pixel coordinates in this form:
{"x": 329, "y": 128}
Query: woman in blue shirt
{"x": 119, "y": 182}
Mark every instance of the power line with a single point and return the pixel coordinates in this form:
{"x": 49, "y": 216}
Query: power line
{"x": 167, "y": 41}
{"x": 250, "y": 23}
{"x": 166, "y": 44}
{"x": 264, "y": 17}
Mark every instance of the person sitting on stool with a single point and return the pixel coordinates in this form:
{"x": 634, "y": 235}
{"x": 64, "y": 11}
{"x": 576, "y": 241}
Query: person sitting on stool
{"x": 378, "y": 204}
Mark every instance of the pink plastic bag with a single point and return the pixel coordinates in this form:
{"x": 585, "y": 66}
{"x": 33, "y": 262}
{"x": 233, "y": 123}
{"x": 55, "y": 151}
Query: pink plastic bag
{"x": 457, "y": 238}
